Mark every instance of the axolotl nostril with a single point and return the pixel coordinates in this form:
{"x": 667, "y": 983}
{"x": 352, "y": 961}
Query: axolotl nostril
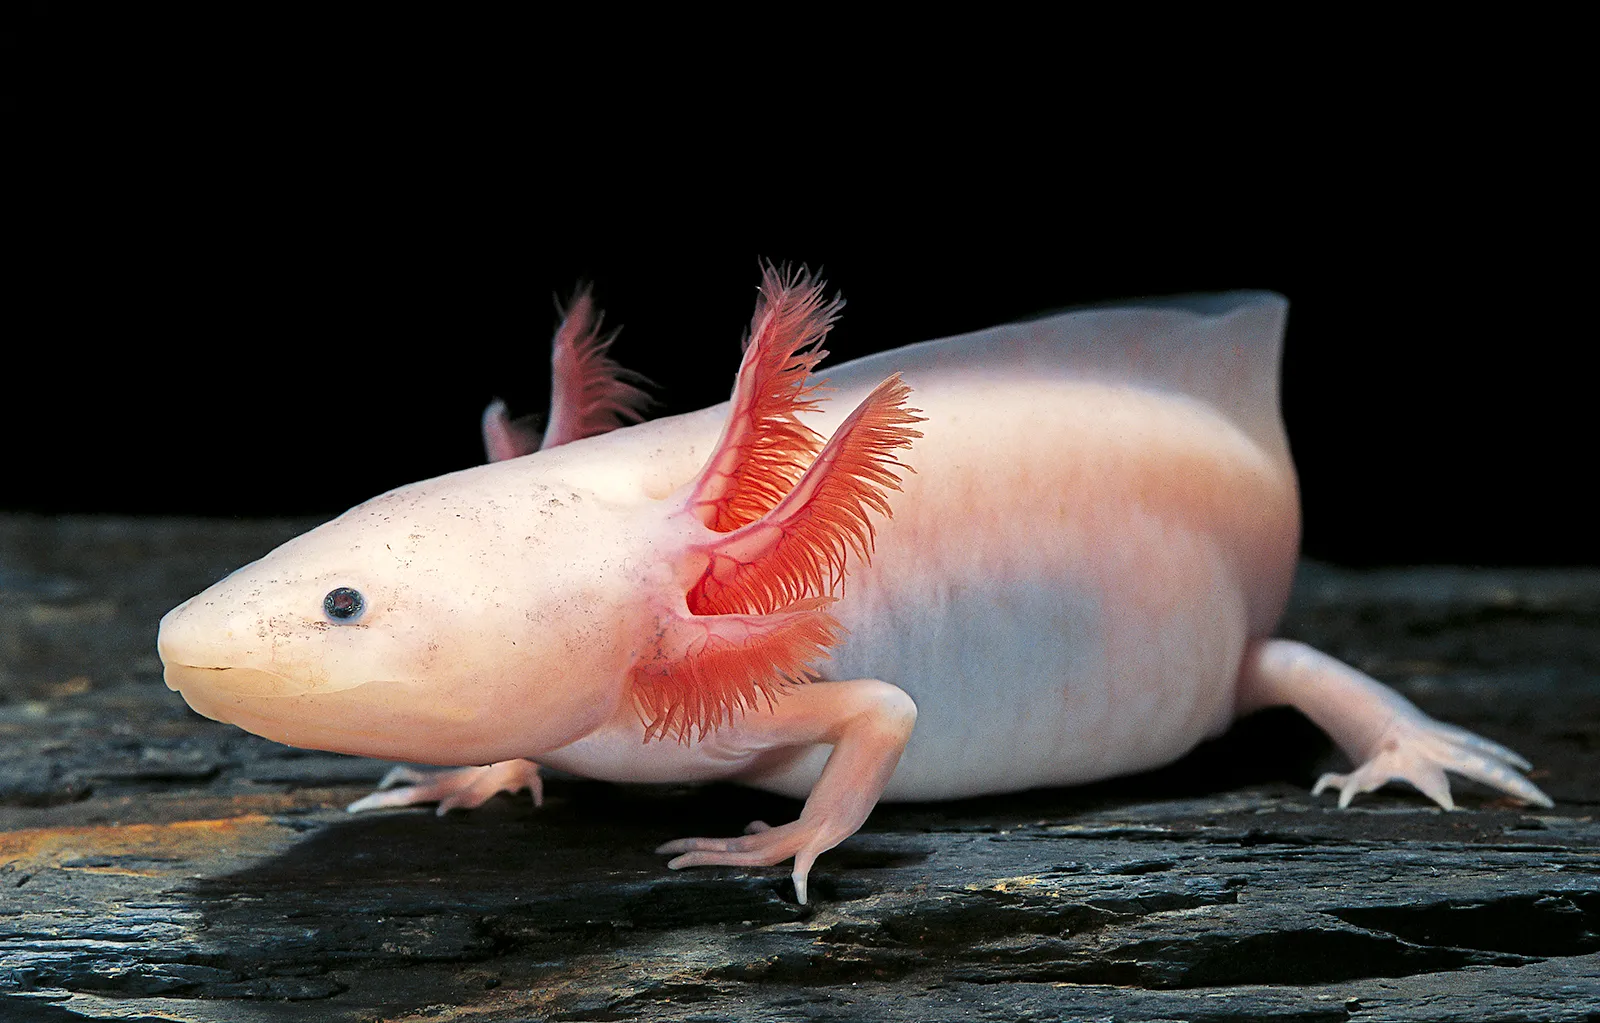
{"x": 1042, "y": 554}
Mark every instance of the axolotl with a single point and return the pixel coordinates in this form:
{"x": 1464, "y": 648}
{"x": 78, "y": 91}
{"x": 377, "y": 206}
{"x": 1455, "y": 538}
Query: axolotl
{"x": 1042, "y": 554}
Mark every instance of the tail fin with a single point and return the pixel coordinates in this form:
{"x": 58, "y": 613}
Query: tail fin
{"x": 1222, "y": 349}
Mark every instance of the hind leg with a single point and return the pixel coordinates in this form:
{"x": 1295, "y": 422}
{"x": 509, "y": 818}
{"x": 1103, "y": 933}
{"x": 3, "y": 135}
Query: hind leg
{"x": 1381, "y": 732}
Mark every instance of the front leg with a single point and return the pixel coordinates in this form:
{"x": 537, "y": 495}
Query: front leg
{"x": 463, "y": 788}
{"x": 867, "y": 722}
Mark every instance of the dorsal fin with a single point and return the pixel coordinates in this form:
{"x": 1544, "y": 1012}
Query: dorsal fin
{"x": 589, "y": 392}
{"x": 1223, "y": 350}
{"x": 764, "y": 447}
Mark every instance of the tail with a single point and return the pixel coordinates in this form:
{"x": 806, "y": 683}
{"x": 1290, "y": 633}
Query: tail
{"x": 1223, "y": 349}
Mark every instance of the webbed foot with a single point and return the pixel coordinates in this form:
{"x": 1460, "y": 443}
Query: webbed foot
{"x": 1419, "y": 750}
{"x": 464, "y": 787}
{"x": 1379, "y": 729}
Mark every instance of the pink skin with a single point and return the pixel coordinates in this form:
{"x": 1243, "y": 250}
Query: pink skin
{"x": 590, "y": 394}
{"x": 1079, "y": 581}
{"x": 1376, "y": 727}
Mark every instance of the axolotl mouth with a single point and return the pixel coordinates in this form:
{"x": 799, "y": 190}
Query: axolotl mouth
{"x": 389, "y": 719}
{"x": 267, "y": 703}
{"x": 187, "y": 678}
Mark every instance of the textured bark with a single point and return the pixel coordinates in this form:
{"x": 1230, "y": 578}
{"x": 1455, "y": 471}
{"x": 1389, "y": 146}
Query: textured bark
{"x": 155, "y": 865}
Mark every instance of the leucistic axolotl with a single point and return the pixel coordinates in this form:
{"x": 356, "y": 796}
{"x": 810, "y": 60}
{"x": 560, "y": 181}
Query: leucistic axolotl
{"x": 1094, "y": 526}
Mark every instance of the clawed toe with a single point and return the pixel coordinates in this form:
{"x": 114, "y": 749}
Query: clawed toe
{"x": 1387, "y": 736}
{"x": 385, "y": 798}
{"x": 1371, "y": 776}
{"x": 761, "y": 846}
{"x": 1421, "y": 753}
{"x": 402, "y": 775}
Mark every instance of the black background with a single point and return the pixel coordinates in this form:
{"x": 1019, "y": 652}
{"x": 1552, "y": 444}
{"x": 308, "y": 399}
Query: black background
{"x": 266, "y": 269}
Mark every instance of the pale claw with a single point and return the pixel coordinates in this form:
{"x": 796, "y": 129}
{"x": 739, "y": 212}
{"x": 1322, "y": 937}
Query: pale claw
{"x": 761, "y": 846}
{"x": 1421, "y": 750}
{"x": 465, "y": 787}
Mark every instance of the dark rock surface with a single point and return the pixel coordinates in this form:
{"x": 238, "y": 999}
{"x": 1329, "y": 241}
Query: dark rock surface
{"x": 154, "y": 865}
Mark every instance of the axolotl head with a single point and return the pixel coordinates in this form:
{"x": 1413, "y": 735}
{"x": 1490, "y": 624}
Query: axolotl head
{"x": 472, "y": 618}
{"x": 508, "y": 610}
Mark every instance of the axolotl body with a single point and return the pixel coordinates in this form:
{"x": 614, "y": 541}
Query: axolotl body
{"x": 1063, "y": 563}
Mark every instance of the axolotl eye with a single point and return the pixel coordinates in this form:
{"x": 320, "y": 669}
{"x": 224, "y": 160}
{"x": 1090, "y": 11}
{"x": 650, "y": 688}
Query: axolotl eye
{"x": 344, "y": 604}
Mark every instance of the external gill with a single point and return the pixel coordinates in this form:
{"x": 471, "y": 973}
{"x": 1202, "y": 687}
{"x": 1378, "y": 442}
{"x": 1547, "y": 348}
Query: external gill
{"x": 781, "y": 516}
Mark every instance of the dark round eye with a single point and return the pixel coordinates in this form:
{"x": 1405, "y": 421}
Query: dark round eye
{"x": 343, "y": 604}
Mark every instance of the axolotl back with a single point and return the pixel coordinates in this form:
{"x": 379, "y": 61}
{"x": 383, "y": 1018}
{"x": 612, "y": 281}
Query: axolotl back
{"x": 1048, "y": 553}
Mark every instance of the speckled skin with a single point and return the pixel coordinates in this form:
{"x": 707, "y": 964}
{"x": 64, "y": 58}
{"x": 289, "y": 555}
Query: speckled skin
{"x": 1078, "y": 582}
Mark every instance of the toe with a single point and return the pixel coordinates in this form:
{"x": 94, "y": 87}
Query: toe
{"x": 385, "y": 798}
{"x": 1329, "y": 781}
{"x": 683, "y": 845}
{"x": 1431, "y": 782}
{"x": 401, "y": 775}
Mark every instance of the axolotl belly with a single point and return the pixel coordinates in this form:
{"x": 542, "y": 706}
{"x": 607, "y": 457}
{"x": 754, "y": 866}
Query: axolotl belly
{"x": 1048, "y": 553}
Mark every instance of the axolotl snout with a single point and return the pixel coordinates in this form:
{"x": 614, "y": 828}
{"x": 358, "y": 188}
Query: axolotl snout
{"x": 1043, "y": 554}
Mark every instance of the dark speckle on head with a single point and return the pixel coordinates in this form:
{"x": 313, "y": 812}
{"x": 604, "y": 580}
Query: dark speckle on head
{"x": 343, "y": 604}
